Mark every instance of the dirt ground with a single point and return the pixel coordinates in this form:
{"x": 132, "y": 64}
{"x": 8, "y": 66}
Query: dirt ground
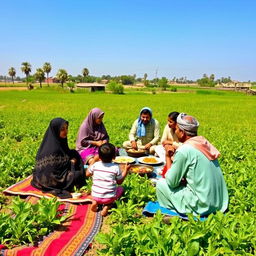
{"x": 13, "y": 88}
{"x": 95, "y": 245}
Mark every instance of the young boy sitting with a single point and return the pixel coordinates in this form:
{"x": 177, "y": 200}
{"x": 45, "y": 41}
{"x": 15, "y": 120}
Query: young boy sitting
{"x": 106, "y": 175}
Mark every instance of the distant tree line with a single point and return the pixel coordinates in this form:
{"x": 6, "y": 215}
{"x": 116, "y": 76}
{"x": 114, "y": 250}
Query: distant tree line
{"x": 42, "y": 74}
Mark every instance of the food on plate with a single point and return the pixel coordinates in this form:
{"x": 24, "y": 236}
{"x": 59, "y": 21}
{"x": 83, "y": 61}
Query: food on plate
{"x": 141, "y": 169}
{"x": 123, "y": 160}
{"x": 150, "y": 160}
{"x": 136, "y": 152}
{"x": 132, "y": 150}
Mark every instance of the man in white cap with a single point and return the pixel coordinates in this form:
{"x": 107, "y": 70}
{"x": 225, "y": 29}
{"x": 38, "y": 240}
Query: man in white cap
{"x": 194, "y": 183}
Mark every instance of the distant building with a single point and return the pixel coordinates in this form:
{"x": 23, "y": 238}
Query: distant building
{"x": 51, "y": 80}
{"x": 236, "y": 85}
{"x": 93, "y": 87}
{"x": 104, "y": 81}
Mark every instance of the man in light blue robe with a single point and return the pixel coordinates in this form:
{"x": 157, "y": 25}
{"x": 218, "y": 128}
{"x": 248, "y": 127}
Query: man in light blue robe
{"x": 194, "y": 183}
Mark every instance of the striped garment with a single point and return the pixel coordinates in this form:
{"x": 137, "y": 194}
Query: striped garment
{"x": 104, "y": 179}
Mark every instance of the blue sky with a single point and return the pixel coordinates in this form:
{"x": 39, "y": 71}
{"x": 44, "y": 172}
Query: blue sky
{"x": 115, "y": 37}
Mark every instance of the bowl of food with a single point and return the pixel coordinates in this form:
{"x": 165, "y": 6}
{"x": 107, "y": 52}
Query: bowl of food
{"x": 76, "y": 195}
{"x": 124, "y": 160}
{"x": 136, "y": 152}
{"x": 141, "y": 169}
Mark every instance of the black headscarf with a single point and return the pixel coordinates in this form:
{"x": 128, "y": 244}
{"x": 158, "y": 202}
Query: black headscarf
{"x": 54, "y": 173}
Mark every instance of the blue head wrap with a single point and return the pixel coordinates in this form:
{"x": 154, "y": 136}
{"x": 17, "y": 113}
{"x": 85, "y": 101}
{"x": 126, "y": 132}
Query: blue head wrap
{"x": 141, "y": 131}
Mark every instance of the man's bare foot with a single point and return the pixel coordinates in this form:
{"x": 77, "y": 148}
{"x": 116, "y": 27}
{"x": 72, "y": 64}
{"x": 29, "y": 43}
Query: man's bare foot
{"x": 94, "y": 206}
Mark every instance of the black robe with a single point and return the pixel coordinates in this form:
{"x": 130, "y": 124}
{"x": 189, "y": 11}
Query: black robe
{"x": 54, "y": 173}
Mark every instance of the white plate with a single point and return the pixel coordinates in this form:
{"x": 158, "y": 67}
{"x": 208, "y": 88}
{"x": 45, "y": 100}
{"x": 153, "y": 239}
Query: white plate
{"x": 124, "y": 160}
{"x": 156, "y": 160}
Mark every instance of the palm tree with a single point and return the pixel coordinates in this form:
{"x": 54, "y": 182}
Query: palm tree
{"x": 62, "y": 76}
{"x": 12, "y": 73}
{"x": 85, "y": 72}
{"x": 39, "y": 75}
{"x": 26, "y": 68}
{"x": 47, "y": 69}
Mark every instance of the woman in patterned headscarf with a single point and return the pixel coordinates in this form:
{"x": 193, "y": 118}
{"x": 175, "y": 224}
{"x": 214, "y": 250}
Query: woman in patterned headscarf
{"x": 58, "y": 169}
{"x": 91, "y": 135}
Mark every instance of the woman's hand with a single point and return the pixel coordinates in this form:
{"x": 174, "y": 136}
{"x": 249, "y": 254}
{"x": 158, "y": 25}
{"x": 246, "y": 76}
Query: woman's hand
{"x": 99, "y": 143}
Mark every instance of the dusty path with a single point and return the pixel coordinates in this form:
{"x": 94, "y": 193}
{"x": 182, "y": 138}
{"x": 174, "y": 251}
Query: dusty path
{"x": 13, "y": 88}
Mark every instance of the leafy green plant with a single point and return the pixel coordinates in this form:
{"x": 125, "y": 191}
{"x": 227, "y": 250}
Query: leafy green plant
{"x": 26, "y": 222}
{"x": 26, "y": 115}
{"x": 115, "y": 87}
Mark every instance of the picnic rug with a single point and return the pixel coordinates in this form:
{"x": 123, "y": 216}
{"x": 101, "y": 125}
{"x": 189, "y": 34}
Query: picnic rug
{"x": 152, "y": 207}
{"x": 72, "y": 238}
{"x": 24, "y": 188}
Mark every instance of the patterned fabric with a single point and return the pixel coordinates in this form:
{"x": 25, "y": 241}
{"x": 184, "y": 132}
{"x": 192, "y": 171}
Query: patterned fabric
{"x": 24, "y": 188}
{"x": 104, "y": 178}
{"x": 51, "y": 160}
{"x": 72, "y": 238}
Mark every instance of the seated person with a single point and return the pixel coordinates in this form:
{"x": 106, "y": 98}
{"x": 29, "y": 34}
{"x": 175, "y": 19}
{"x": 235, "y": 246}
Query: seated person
{"x": 106, "y": 175}
{"x": 194, "y": 183}
{"x": 58, "y": 169}
{"x": 91, "y": 135}
{"x": 169, "y": 137}
{"x": 144, "y": 133}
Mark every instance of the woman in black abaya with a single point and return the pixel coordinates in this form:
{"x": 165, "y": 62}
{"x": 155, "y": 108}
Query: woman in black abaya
{"x": 58, "y": 169}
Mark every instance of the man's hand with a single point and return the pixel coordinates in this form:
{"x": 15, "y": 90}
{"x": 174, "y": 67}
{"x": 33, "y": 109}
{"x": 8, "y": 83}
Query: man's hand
{"x": 147, "y": 146}
{"x": 170, "y": 150}
{"x": 166, "y": 142}
{"x": 134, "y": 145}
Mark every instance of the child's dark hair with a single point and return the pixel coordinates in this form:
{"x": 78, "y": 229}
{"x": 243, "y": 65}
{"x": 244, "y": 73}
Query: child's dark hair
{"x": 173, "y": 116}
{"x": 107, "y": 152}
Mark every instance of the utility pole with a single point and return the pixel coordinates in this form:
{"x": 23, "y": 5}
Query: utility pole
{"x": 156, "y": 72}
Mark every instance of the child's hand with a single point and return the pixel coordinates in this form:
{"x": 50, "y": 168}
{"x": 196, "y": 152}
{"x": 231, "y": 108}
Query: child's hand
{"x": 127, "y": 166}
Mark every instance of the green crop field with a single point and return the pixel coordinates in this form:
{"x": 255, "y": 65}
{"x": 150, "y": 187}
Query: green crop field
{"x": 227, "y": 120}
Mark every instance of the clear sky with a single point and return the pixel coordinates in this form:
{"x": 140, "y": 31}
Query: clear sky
{"x": 158, "y": 37}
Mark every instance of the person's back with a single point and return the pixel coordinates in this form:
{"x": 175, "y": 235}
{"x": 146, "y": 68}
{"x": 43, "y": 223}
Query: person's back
{"x": 206, "y": 189}
{"x": 106, "y": 176}
{"x": 194, "y": 183}
{"x": 104, "y": 179}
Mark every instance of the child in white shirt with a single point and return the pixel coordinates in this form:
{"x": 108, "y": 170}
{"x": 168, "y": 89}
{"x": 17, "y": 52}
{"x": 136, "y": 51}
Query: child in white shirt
{"x": 106, "y": 175}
